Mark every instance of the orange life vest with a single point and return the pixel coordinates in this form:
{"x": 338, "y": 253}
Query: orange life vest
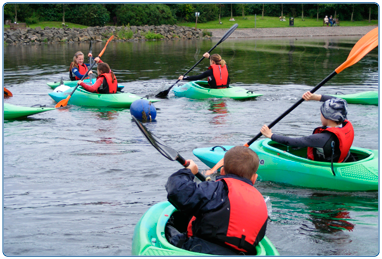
{"x": 82, "y": 69}
{"x": 345, "y": 137}
{"x": 220, "y": 75}
{"x": 240, "y": 223}
{"x": 108, "y": 87}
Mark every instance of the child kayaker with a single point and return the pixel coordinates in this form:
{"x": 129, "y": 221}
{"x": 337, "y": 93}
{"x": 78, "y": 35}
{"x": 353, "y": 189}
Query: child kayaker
{"x": 217, "y": 73}
{"x": 229, "y": 215}
{"x": 78, "y": 68}
{"x": 336, "y": 131}
{"x": 106, "y": 81}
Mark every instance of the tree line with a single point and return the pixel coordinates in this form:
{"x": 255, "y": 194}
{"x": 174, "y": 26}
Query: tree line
{"x": 157, "y": 14}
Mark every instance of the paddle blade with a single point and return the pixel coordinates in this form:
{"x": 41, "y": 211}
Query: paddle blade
{"x": 229, "y": 32}
{"x": 104, "y": 48}
{"x": 162, "y": 94}
{"x": 366, "y": 44}
{"x": 7, "y": 93}
{"x": 63, "y": 103}
{"x": 166, "y": 151}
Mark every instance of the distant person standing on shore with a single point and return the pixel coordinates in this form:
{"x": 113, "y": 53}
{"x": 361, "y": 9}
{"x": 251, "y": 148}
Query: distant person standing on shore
{"x": 326, "y": 20}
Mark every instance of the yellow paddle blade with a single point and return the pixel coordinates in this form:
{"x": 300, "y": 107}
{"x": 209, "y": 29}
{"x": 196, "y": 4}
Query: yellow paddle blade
{"x": 7, "y": 93}
{"x": 63, "y": 103}
{"x": 104, "y": 48}
{"x": 366, "y": 44}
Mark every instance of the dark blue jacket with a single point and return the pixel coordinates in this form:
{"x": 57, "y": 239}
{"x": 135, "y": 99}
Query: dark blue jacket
{"x": 195, "y": 199}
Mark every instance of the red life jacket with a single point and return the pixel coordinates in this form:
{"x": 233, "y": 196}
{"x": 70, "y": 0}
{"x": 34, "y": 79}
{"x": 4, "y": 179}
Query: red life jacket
{"x": 220, "y": 75}
{"x": 240, "y": 223}
{"x": 82, "y": 69}
{"x": 345, "y": 137}
{"x": 107, "y": 87}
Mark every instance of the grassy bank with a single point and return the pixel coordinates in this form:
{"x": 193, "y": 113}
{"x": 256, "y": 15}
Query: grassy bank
{"x": 42, "y": 25}
{"x": 269, "y": 22}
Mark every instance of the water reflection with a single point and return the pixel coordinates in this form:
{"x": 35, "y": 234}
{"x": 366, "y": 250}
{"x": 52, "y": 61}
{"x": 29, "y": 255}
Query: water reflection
{"x": 219, "y": 107}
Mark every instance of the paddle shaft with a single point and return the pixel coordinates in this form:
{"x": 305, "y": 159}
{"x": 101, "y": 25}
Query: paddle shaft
{"x": 184, "y": 163}
{"x": 292, "y": 108}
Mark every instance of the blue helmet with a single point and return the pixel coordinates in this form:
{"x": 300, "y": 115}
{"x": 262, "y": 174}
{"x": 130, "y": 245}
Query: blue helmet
{"x": 335, "y": 109}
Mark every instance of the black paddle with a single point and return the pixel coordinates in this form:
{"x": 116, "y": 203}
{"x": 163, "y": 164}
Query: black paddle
{"x": 167, "y": 152}
{"x": 164, "y": 93}
{"x": 364, "y": 45}
{"x": 90, "y": 60}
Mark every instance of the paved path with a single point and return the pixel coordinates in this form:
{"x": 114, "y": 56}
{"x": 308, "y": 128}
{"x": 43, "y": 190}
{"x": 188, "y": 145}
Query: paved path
{"x": 294, "y": 32}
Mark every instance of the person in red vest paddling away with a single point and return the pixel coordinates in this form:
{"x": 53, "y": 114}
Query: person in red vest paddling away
{"x": 78, "y": 68}
{"x": 217, "y": 73}
{"x": 223, "y": 217}
{"x": 106, "y": 81}
{"x": 336, "y": 132}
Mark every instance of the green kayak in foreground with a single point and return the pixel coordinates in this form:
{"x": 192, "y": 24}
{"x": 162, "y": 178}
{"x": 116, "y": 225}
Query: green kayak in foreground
{"x": 283, "y": 164}
{"x": 69, "y": 83}
{"x": 149, "y": 238}
{"x": 198, "y": 90}
{"x": 370, "y": 98}
{"x": 81, "y": 97}
{"x": 15, "y": 112}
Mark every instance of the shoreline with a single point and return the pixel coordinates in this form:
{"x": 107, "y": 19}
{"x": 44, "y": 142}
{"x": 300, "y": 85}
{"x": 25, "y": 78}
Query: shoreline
{"x": 294, "y": 32}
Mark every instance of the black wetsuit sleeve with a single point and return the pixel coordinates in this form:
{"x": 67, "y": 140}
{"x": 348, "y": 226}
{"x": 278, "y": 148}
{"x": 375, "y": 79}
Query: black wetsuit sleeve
{"x": 198, "y": 77}
{"x": 315, "y": 140}
{"x": 326, "y": 97}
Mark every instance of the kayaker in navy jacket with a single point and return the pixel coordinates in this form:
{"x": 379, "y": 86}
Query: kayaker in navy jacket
{"x": 78, "y": 68}
{"x": 229, "y": 215}
{"x": 217, "y": 73}
{"x": 336, "y": 131}
{"x": 106, "y": 81}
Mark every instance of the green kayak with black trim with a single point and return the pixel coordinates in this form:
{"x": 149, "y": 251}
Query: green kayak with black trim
{"x": 81, "y": 97}
{"x": 199, "y": 90}
{"x": 16, "y": 112}
{"x": 287, "y": 165}
{"x": 69, "y": 83}
{"x": 370, "y": 97}
{"x": 149, "y": 238}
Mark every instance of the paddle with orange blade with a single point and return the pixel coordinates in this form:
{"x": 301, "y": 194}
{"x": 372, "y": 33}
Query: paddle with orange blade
{"x": 366, "y": 44}
{"x": 7, "y": 93}
{"x": 64, "y": 102}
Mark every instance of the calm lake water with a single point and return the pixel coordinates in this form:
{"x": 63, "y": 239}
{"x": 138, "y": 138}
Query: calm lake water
{"x": 77, "y": 180}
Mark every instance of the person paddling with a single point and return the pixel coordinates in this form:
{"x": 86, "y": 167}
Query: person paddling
{"x": 228, "y": 216}
{"x": 336, "y": 132}
{"x": 217, "y": 73}
{"x": 78, "y": 68}
{"x": 106, "y": 81}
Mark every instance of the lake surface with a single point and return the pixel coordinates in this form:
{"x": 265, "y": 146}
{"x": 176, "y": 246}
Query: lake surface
{"x": 77, "y": 180}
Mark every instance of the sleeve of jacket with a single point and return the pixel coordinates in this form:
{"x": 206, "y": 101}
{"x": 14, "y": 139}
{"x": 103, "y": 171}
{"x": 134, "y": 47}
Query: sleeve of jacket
{"x": 192, "y": 198}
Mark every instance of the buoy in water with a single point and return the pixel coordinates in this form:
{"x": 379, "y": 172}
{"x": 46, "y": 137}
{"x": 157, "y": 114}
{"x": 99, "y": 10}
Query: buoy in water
{"x": 143, "y": 110}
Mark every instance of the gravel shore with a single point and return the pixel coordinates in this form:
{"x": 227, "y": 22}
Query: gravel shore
{"x": 294, "y": 32}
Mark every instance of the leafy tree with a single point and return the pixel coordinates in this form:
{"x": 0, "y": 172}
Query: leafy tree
{"x": 208, "y": 12}
{"x": 142, "y": 14}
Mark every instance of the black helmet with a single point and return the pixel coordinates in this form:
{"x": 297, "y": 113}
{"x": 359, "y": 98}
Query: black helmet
{"x": 335, "y": 109}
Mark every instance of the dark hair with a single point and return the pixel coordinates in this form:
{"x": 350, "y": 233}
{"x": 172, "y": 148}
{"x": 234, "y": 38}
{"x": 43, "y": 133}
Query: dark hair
{"x": 241, "y": 161}
{"x": 104, "y": 68}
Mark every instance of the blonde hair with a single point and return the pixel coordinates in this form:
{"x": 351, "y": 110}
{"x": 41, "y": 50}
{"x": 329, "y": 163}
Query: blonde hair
{"x": 104, "y": 68}
{"x": 74, "y": 62}
{"x": 218, "y": 59}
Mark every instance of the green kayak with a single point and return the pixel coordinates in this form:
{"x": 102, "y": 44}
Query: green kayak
{"x": 55, "y": 84}
{"x": 198, "y": 90}
{"x": 15, "y": 112}
{"x": 370, "y": 97}
{"x": 81, "y": 97}
{"x": 283, "y": 164}
{"x": 149, "y": 238}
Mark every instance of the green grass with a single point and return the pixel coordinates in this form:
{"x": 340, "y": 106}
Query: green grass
{"x": 269, "y": 22}
{"x": 53, "y": 25}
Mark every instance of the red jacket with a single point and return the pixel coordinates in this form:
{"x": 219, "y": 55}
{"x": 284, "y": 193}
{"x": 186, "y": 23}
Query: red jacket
{"x": 239, "y": 223}
{"x": 220, "y": 76}
{"x": 345, "y": 137}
